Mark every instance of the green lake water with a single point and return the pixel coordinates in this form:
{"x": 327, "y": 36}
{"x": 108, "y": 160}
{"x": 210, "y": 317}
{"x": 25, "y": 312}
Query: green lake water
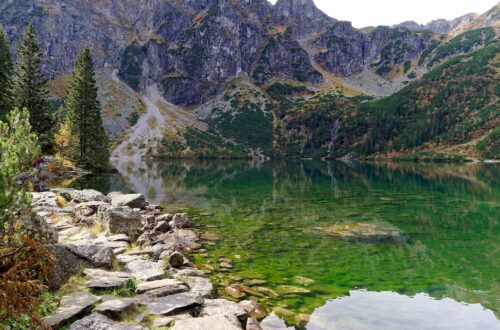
{"x": 260, "y": 216}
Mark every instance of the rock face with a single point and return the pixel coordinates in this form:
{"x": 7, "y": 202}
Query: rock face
{"x": 284, "y": 58}
{"x": 345, "y": 50}
{"x": 120, "y": 220}
{"x": 302, "y": 16}
{"x": 191, "y": 49}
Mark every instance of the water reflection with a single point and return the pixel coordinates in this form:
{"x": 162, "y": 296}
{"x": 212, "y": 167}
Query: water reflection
{"x": 390, "y": 310}
{"x": 261, "y": 212}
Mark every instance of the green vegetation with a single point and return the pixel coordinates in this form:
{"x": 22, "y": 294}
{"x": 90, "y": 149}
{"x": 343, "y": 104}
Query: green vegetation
{"x": 463, "y": 43}
{"x": 279, "y": 90}
{"x": 489, "y": 148}
{"x": 249, "y": 126}
{"x": 406, "y": 66}
{"x": 428, "y": 51}
{"x": 82, "y": 137}
{"x": 207, "y": 145}
{"x": 6, "y": 68}
{"x": 30, "y": 88}
{"x": 25, "y": 264}
{"x": 130, "y": 67}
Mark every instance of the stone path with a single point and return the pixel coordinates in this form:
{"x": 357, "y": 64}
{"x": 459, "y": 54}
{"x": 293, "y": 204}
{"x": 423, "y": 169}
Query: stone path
{"x": 128, "y": 258}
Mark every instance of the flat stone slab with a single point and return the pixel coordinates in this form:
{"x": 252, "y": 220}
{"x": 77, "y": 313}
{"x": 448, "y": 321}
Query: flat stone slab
{"x": 219, "y": 322}
{"x": 200, "y": 285}
{"x": 98, "y": 321}
{"x": 72, "y": 307}
{"x": 124, "y": 259}
{"x": 146, "y": 270}
{"x": 103, "y": 280}
{"x": 171, "y": 304}
{"x": 223, "y": 307}
{"x": 169, "y": 320}
{"x": 160, "y": 284}
{"x": 114, "y": 307}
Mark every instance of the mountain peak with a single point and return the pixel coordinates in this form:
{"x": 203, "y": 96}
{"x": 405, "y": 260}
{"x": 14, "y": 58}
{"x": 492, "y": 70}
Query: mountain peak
{"x": 302, "y": 16}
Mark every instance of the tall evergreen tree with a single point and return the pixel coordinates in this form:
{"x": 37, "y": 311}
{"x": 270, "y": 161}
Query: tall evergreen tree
{"x": 5, "y": 76}
{"x": 83, "y": 116}
{"x": 30, "y": 88}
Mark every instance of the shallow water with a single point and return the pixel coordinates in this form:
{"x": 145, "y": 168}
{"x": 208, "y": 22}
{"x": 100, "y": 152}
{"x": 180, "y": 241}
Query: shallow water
{"x": 266, "y": 219}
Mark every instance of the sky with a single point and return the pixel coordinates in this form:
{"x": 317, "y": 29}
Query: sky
{"x": 388, "y": 12}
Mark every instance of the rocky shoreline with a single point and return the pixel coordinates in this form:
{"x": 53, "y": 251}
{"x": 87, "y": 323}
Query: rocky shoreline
{"x": 120, "y": 264}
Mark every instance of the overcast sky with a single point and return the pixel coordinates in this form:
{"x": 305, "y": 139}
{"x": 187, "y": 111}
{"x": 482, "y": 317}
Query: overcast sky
{"x": 387, "y": 12}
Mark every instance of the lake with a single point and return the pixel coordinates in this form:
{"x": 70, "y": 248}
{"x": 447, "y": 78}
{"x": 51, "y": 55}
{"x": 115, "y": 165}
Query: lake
{"x": 273, "y": 227}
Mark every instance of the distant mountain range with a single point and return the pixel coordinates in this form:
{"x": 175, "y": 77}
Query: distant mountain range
{"x": 209, "y": 61}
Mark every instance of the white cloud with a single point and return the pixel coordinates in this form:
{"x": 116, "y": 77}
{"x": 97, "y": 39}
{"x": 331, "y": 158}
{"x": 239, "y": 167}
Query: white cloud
{"x": 387, "y": 12}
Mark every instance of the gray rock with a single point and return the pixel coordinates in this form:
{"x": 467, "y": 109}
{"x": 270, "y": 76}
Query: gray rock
{"x": 37, "y": 228}
{"x": 130, "y": 200}
{"x": 113, "y": 308}
{"x": 98, "y": 321}
{"x": 188, "y": 271}
{"x": 65, "y": 266}
{"x": 72, "y": 307}
{"x": 200, "y": 285}
{"x": 174, "y": 303}
{"x": 120, "y": 220}
{"x": 124, "y": 259}
{"x": 146, "y": 270}
{"x": 169, "y": 320}
{"x": 224, "y": 307}
{"x": 107, "y": 280}
{"x": 161, "y": 227}
{"x": 169, "y": 284}
{"x": 44, "y": 199}
{"x": 183, "y": 239}
{"x": 181, "y": 220}
{"x": 218, "y": 322}
{"x": 97, "y": 255}
{"x": 253, "y": 324}
{"x": 175, "y": 259}
{"x": 165, "y": 217}
{"x": 93, "y": 205}
{"x": 119, "y": 238}
{"x": 63, "y": 192}
{"x": 87, "y": 195}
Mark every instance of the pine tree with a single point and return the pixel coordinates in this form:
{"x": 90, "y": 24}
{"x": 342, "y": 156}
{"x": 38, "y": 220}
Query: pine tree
{"x": 83, "y": 117}
{"x": 5, "y": 76}
{"x": 30, "y": 88}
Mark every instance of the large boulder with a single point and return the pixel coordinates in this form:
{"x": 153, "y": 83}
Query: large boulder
{"x": 135, "y": 201}
{"x": 120, "y": 220}
{"x": 66, "y": 265}
{"x": 97, "y": 255}
{"x": 37, "y": 228}
{"x": 146, "y": 270}
{"x": 181, "y": 220}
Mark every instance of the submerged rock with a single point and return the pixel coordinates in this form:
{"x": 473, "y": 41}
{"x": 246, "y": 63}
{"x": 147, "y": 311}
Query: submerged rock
{"x": 290, "y": 289}
{"x": 363, "y": 232}
{"x": 253, "y": 309}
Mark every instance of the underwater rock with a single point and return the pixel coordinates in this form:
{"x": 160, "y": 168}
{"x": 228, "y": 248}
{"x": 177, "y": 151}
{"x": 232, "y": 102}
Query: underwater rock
{"x": 363, "y": 232}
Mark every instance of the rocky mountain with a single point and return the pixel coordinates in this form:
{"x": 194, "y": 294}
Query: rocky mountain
{"x": 238, "y": 63}
{"x": 460, "y": 24}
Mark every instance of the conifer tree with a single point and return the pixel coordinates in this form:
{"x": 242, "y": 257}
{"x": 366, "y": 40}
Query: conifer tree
{"x": 88, "y": 144}
{"x": 5, "y": 76}
{"x": 30, "y": 88}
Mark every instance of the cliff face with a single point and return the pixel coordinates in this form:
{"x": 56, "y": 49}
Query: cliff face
{"x": 344, "y": 50}
{"x": 192, "y": 48}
